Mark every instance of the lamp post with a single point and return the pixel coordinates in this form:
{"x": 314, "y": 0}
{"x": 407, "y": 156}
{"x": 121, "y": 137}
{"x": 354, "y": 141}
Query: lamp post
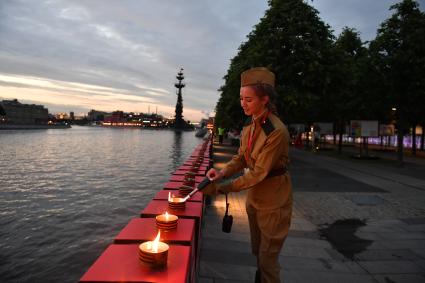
{"x": 399, "y": 123}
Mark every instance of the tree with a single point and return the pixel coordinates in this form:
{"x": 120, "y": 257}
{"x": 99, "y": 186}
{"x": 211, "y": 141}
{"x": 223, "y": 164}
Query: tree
{"x": 399, "y": 55}
{"x": 295, "y": 44}
{"x": 344, "y": 93}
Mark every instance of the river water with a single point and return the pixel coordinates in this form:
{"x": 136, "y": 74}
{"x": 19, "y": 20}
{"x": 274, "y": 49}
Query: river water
{"x": 65, "y": 194}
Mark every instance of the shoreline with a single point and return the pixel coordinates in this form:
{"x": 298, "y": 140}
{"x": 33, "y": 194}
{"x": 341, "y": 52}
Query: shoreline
{"x": 32, "y": 127}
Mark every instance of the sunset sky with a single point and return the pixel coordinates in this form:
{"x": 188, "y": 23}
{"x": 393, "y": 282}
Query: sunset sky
{"x": 124, "y": 55}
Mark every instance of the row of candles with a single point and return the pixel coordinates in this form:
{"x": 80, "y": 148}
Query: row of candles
{"x": 155, "y": 253}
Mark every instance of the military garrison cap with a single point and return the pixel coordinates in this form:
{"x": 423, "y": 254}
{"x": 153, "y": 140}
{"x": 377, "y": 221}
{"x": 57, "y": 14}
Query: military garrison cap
{"x": 258, "y": 75}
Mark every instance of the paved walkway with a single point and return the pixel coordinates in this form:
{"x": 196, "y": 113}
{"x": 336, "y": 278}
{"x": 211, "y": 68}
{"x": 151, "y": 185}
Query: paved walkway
{"x": 390, "y": 247}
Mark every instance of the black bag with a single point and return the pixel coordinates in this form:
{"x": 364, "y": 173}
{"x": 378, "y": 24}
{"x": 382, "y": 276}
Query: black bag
{"x": 226, "y": 226}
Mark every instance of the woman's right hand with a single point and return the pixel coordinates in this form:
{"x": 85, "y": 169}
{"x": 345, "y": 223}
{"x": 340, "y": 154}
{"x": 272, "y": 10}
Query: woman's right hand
{"x": 214, "y": 175}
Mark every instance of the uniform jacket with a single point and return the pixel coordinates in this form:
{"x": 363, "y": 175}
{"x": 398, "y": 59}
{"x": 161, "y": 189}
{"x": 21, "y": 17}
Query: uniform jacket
{"x": 269, "y": 151}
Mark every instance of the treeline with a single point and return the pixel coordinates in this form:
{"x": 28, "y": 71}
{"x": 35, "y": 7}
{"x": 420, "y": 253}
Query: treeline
{"x": 323, "y": 78}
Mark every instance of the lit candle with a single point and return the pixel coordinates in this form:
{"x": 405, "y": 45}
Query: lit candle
{"x": 176, "y": 203}
{"x": 156, "y": 242}
{"x": 166, "y": 221}
{"x": 154, "y": 253}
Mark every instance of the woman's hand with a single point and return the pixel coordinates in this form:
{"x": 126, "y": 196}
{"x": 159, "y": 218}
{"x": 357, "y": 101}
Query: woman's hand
{"x": 215, "y": 175}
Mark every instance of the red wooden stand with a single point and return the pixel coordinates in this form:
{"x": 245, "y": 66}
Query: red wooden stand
{"x": 206, "y": 154}
{"x": 190, "y": 163}
{"x": 188, "y": 167}
{"x": 182, "y": 172}
{"x": 180, "y": 178}
{"x": 120, "y": 263}
{"x": 193, "y": 210}
{"x": 140, "y": 230}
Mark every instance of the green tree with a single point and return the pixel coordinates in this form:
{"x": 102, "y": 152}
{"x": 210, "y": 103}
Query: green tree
{"x": 399, "y": 56}
{"x": 295, "y": 44}
{"x": 344, "y": 94}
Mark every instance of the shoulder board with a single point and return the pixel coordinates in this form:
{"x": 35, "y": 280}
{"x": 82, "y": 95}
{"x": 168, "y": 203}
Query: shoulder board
{"x": 267, "y": 127}
{"x": 248, "y": 121}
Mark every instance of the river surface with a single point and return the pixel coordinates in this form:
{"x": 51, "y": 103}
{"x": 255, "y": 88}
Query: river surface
{"x": 66, "y": 193}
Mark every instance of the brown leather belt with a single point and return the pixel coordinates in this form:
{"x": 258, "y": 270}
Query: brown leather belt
{"x": 277, "y": 172}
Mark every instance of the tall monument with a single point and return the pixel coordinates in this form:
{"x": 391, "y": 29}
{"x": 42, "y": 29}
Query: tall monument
{"x": 179, "y": 122}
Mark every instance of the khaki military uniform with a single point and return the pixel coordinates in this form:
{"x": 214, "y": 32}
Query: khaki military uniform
{"x": 269, "y": 196}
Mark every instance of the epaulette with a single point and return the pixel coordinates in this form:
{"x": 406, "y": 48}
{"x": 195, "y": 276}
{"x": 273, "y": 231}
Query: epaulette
{"x": 248, "y": 122}
{"x": 267, "y": 127}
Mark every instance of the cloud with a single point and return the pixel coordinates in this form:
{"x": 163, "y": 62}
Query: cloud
{"x": 108, "y": 54}
{"x": 365, "y": 16}
{"x": 128, "y": 46}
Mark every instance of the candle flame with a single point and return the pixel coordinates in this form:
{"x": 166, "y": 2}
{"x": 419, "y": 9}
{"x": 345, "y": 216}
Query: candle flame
{"x": 166, "y": 216}
{"x": 155, "y": 243}
{"x": 169, "y": 196}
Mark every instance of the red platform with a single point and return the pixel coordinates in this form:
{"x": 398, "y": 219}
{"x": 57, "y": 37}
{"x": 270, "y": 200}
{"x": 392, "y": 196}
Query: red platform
{"x": 140, "y": 230}
{"x": 182, "y": 172}
{"x": 206, "y": 154}
{"x": 180, "y": 178}
{"x": 163, "y": 195}
{"x": 190, "y": 163}
{"x": 120, "y": 263}
{"x": 195, "y": 158}
{"x": 200, "y": 149}
{"x": 193, "y": 210}
{"x": 197, "y": 153}
{"x": 188, "y": 167}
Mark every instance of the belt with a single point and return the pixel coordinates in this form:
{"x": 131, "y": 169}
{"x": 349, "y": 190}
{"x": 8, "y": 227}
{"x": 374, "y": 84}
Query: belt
{"x": 277, "y": 172}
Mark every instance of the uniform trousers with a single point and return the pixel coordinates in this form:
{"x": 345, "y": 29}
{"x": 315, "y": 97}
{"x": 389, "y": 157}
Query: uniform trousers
{"x": 268, "y": 229}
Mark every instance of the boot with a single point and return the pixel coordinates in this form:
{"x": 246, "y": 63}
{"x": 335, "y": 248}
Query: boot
{"x": 258, "y": 276}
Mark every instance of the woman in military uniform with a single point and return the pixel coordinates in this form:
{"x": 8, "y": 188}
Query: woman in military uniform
{"x": 263, "y": 156}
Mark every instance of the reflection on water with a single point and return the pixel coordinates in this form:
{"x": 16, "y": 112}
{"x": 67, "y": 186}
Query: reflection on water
{"x": 177, "y": 152}
{"x": 65, "y": 194}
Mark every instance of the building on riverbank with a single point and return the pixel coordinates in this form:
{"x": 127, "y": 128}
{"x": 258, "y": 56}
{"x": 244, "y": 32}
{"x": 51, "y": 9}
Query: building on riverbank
{"x": 121, "y": 119}
{"x": 15, "y": 115}
{"x": 14, "y": 112}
